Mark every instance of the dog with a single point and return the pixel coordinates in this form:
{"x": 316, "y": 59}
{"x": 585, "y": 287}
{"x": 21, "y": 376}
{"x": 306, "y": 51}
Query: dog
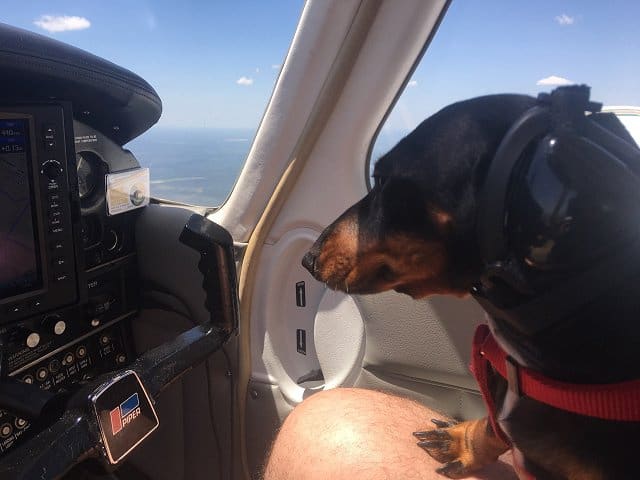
{"x": 415, "y": 232}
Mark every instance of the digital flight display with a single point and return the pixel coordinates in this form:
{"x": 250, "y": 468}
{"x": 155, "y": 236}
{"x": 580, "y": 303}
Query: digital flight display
{"x": 20, "y": 270}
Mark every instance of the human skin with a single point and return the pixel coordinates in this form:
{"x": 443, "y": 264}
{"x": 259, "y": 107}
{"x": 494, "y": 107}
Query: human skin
{"x": 359, "y": 434}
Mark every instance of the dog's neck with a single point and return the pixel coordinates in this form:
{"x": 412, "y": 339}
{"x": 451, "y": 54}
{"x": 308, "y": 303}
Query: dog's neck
{"x": 598, "y": 344}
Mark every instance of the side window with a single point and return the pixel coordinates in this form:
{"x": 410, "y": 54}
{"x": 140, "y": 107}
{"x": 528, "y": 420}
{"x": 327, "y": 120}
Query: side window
{"x": 630, "y": 118}
{"x": 498, "y": 46}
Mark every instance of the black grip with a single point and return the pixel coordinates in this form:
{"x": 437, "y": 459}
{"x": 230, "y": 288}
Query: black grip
{"x": 217, "y": 265}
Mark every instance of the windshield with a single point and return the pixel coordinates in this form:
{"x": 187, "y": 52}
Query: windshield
{"x": 213, "y": 63}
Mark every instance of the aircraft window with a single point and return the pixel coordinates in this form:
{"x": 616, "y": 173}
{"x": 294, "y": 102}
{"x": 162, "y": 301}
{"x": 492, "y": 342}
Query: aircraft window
{"x": 631, "y": 120}
{"x": 214, "y": 64}
{"x": 514, "y": 47}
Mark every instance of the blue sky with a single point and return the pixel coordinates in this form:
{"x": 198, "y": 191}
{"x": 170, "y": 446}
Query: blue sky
{"x": 192, "y": 52}
{"x": 195, "y": 52}
{"x": 500, "y": 46}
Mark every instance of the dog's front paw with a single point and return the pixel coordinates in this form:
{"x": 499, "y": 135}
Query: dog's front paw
{"x": 462, "y": 447}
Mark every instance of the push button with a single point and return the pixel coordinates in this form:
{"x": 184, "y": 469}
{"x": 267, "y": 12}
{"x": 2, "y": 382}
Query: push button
{"x": 49, "y": 144}
{"x": 56, "y": 247}
{"x": 49, "y": 132}
{"x": 68, "y": 359}
{"x": 59, "y": 262}
{"x": 5, "y": 430}
{"x": 61, "y": 277}
{"x": 42, "y": 374}
{"x": 14, "y": 309}
{"x": 54, "y": 201}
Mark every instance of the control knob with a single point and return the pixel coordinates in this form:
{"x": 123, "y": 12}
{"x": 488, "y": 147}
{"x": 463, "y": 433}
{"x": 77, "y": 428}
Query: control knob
{"x": 54, "y": 324}
{"x": 33, "y": 340}
{"x": 51, "y": 169}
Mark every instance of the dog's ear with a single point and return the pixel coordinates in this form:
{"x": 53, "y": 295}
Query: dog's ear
{"x": 440, "y": 218}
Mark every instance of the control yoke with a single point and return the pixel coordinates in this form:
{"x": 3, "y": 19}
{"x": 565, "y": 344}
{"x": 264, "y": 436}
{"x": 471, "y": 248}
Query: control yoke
{"x": 109, "y": 417}
{"x": 215, "y": 246}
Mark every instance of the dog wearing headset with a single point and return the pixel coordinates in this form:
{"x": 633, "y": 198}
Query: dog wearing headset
{"x": 531, "y": 206}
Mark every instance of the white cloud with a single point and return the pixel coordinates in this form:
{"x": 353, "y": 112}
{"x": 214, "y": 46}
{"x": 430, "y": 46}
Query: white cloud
{"x": 257, "y": 69}
{"x": 275, "y": 66}
{"x": 555, "y": 80}
{"x": 565, "y": 19}
{"x": 245, "y": 81}
{"x": 62, "y": 23}
{"x": 412, "y": 83}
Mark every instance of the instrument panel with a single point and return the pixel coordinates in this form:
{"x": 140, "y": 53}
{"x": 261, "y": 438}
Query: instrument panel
{"x": 69, "y": 287}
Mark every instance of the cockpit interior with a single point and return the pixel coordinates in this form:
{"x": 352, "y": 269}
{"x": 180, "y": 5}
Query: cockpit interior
{"x": 145, "y": 338}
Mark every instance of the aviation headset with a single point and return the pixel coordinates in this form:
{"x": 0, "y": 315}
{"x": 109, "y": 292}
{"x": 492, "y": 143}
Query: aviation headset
{"x": 555, "y": 224}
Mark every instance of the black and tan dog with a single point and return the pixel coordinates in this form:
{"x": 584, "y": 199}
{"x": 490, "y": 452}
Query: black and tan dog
{"x": 415, "y": 233}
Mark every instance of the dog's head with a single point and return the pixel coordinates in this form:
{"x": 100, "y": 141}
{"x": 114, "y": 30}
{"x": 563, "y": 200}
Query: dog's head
{"x": 414, "y": 232}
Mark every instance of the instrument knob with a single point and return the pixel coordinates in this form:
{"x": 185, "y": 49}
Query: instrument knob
{"x": 51, "y": 169}
{"x": 55, "y": 324}
{"x": 33, "y": 340}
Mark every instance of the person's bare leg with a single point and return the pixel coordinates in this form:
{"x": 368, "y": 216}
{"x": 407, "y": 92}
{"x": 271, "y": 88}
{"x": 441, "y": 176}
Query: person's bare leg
{"x": 359, "y": 435}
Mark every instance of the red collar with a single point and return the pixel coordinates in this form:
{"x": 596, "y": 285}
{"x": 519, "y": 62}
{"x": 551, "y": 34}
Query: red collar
{"x": 616, "y": 401}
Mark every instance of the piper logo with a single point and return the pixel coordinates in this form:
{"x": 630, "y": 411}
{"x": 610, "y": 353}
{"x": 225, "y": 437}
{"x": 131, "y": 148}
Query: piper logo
{"x": 124, "y": 413}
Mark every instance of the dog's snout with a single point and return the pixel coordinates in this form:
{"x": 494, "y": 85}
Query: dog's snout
{"x": 309, "y": 262}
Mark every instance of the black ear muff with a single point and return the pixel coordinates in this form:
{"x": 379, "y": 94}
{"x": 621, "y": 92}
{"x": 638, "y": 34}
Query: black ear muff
{"x": 548, "y": 245}
{"x": 532, "y": 125}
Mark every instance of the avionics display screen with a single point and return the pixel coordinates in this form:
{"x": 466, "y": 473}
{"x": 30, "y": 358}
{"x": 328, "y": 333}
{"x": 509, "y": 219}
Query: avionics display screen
{"x": 20, "y": 270}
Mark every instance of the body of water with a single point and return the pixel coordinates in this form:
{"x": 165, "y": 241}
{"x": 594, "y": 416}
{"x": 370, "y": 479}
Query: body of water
{"x": 200, "y": 166}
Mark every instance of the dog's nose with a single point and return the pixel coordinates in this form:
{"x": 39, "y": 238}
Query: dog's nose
{"x": 309, "y": 262}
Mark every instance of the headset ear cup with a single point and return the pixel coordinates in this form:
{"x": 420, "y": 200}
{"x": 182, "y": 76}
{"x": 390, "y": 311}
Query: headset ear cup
{"x": 506, "y": 279}
{"x": 533, "y": 124}
{"x": 557, "y": 214}
{"x": 571, "y": 207}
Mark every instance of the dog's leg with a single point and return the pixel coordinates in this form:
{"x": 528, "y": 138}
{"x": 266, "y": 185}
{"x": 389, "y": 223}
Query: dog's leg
{"x": 462, "y": 447}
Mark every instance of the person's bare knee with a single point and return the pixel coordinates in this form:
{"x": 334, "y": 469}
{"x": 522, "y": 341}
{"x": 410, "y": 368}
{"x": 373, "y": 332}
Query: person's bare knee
{"x": 355, "y": 434}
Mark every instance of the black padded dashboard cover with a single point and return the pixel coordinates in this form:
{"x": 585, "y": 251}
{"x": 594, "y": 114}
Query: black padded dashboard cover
{"x": 109, "y": 98}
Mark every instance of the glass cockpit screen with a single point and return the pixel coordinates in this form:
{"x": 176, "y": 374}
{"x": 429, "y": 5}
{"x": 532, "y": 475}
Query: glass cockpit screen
{"x": 19, "y": 252}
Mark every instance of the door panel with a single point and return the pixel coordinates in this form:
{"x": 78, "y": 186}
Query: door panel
{"x": 304, "y": 337}
{"x": 422, "y": 349}
{"x": 428, "y": 338}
